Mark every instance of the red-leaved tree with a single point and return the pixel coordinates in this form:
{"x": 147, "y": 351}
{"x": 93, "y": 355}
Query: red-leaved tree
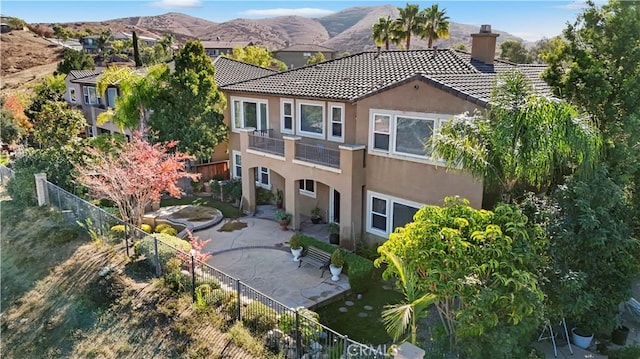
{"x": 134, "y": 175}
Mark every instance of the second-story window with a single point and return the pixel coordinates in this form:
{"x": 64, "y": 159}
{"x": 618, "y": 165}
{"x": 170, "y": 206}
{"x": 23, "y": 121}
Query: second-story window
{"x": 112, "y": 95}
{"x": 90, "y": 96}
{"x": 336, "y": 122}
{"x": 311, "y": 121}
{"x": 249, "y": 113}
{"x": 286, "y": 126}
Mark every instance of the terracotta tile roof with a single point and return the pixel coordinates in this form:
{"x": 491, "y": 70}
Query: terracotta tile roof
{"x": 306, "y": 48}
{"x": 354, "y": 77}
{"x": 229, "y": 71}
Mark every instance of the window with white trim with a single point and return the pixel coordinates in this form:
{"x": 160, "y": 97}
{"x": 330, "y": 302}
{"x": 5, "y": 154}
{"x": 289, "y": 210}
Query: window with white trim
{"x": 286, "y": 111}
{"x": 236, "y": 165}
{"x": 405, "y": 134}
{"x": 386, "y": 213}
{"x": 308, "y": 187}
{"x": 262, "y": 177}
{"x": 336, "y": 122}
{"x": 72, "y": 95}
{"x": 112, "y": 95}
{"x": 381, "y": 133}
{"x": 90, "y": 96}
{"x": 249, "y": 113}
{"x": 311, "y": 122}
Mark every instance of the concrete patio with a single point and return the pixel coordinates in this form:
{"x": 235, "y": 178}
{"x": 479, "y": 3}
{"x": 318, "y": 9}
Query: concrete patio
{"x": 259, "y": 256}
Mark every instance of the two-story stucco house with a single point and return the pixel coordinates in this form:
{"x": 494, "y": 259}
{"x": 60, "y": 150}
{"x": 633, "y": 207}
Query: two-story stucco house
{"x": 349, "y": 135}
{"x": 297, "y": 55}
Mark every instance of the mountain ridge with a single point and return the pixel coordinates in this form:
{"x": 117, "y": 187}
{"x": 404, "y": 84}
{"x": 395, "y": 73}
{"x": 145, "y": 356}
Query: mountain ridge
{"x": 345, "y": 30}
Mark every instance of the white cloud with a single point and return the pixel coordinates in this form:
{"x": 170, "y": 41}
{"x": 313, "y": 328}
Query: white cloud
{"x": 168, "y": 4}
{"x": 305, "y": 11}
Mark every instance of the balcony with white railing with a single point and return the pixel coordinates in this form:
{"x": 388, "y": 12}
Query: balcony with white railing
{"x": 291, "y": 149}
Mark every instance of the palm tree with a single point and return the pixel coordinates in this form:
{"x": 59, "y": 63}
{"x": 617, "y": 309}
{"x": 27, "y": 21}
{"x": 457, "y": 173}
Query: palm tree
{"x": 407, "y": 24}
{"x": 136, "y": 93}
{"x": 522, "y": 140}
{"x": 435, "y": 25}
{"x": 383, "y": 32}
{"x": 398, "y": 317}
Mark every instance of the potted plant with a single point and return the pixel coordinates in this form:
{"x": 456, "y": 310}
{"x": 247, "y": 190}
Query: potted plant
{"x": 296, "y": 247}
{"x": 283, "y": 219}
{"x": 337, "y": 262}
{"x": 315, "y": 215}
{"x": 620, "y": 333}
{"x": 582, "y": 336}
{"x": 279, "y": 199}
{"x": 334, "y": 233}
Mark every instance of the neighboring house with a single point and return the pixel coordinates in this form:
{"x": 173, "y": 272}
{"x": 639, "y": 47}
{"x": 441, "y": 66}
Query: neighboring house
{"x": 89, "y": 44}
{"x": 220, "y": 47}
{"x": 297, "y": 55}
{"x": 349, "y": 135}
{"x": 123, "y": 36}
{"x": 82, "y": 91}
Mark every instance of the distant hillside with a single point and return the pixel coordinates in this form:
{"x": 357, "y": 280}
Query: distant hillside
{"x": 346, "y": 30}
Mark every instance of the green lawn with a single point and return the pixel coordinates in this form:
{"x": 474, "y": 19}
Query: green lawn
{"x": 368, "y": 330}
{"x": 227, "y": 209}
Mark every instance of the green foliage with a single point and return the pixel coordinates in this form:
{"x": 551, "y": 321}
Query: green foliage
{"x": 314, "y": 59}
{"x": 165, "y": 253}
{"x": 596, "y": 69}
{"x": 282, "y": 216}
{"x": 9, "y": 130}
{"x": 50, "y": 90}
{"x": 294, "y": 241}
{"x": 337, "y": 259}
{"x": 523, "y": 142}
{"x": 383, "y": 32}
{"x": 483, "y": 268}
{"x": 166, "y": 229}
{"x": 308, "y": 321}
{"x": 263, "y": 196}
{"x": 57, "y": 125}
{"x": 193, "y": 97}
{"x": 515, "y": 51}
{"x": 173, "y": 277}
{"x": 434, "y": 24}
{"x": 359, "y": 269}
{"x": 203, "y": 293}
{"x": 628, "y": 352}
{"x": 259, "y": 318}
{"x": 404, "y": 315}
{"x": 75, "y": 60}
{"x": 592, "y": 250}
{"x": 57, "y": 163}
{"x": 258, "y": 56}
{"x": 233, "y": 189}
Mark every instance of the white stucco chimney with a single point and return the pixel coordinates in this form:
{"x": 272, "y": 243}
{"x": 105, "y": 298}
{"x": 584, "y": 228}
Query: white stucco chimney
{"x": 483, "y": 45}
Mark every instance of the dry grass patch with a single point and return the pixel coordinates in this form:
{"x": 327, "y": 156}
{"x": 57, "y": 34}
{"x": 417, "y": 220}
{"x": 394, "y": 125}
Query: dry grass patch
{"x": 232, "y": 226}
{"x": 196, "y": 213}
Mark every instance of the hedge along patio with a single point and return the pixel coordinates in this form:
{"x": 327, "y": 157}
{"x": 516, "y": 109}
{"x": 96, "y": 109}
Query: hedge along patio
{"x": 292, "y": 332}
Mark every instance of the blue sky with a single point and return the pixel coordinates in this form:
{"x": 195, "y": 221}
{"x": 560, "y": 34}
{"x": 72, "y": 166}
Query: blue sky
{"x": 530, "y": 20}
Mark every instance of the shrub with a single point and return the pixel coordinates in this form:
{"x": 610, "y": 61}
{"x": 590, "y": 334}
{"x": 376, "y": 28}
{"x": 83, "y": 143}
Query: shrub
{"x": 337, "y": 259}
{"x": 203, "y": 295}
{"x": 259, "y": 318}
{"x": 294, "y": 241}
{"x": 174, "y": 278}
{"x": 630, "y": 352}
{"x": 233, "y": 189}
{"x": 308, "y": 320}
{"x": 358, "y": 269}
{"x": 146, "y": 228}
{"x": 221, "y": 297}
{"x": 263, "y": 196}
{"x": 166, "y": 229}
{"x": 146, "y": 247}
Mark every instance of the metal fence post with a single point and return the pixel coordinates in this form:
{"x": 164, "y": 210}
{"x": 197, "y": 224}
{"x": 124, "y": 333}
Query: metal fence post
{"x": 155, "y": 247}
{"x": 193, "y": 278}
{"x": 346, "y": 346}
{"x": 126, "y": 238}
{"x": 59, "y": 203}
{"x": 238, "y": 296}
{"x": 298, "y": 336}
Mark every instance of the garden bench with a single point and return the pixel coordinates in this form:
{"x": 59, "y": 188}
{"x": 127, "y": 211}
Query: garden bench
{"x": 316, "y": 257}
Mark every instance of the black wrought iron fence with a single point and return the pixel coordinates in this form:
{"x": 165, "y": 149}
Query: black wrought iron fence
{"x": 294, "y": 333}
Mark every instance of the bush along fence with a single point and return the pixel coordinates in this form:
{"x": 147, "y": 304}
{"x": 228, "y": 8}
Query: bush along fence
{"x": 293, "y": 333}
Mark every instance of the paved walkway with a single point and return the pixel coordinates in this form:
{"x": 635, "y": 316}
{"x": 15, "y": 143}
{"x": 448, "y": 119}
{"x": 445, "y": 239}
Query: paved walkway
{"x": 259, "y": 256}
